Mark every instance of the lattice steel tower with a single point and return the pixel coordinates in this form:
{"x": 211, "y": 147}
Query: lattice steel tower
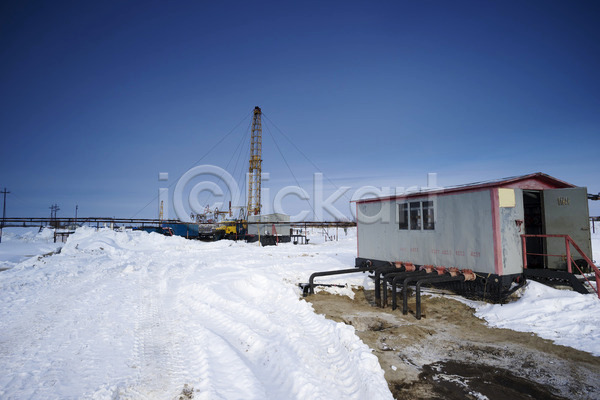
{"x": 254, "y": 175}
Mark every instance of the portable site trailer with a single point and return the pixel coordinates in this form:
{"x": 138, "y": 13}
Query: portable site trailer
{"x": 274, "y": 226}
{"x": 269, "y": 224}
{"x": 478, "y": 227}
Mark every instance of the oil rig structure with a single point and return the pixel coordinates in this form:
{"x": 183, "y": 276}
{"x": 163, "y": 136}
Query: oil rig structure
{"x": 211, "y": 224}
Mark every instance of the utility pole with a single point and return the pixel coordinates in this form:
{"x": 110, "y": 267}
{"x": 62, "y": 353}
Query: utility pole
{"x": 5, "y": 192}
{"x": 53, "y": 210}
{"x": 76, "y": 208}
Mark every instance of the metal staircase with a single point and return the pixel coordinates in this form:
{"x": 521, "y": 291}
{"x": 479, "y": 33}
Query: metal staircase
{"x": 585, "y": 278}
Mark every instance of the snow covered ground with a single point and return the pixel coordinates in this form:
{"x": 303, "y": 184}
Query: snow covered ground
{"x": 563, "y": 316}
{"x": 137, "y": 315}
{"x": 18, "y": 244}
{"x": 130, "y": 315}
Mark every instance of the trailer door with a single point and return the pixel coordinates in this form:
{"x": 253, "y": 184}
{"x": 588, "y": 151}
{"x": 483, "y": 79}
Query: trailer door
{"x": 566, "y": 213}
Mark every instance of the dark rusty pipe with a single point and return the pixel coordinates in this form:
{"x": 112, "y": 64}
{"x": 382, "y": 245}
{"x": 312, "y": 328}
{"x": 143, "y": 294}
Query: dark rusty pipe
{"x": 405, "y": 289}
{"x": 311, "y": 285}
{"x": 389, "y": 278}
{"x": 409, "y": 268}
{"x": 379, "y": 273}
{"x": 398, "y": 277}
{"x": 438, "y": 279}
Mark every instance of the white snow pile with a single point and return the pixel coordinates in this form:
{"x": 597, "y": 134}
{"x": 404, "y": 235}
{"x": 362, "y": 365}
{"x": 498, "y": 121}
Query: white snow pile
{"x": 566, "y": 317}
{"x": 131, "y": 315}
{"x": 19, "y": 244}
{"x": 128, "y": 315}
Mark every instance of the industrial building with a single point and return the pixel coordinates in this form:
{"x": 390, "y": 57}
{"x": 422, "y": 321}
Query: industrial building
{"x": 482, "y": 227}
{"x": 276, "y": 225}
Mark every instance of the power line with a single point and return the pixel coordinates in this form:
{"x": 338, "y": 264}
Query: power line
{"x": 240, "y": 176}
{"x": 196, "y": 162}
{"x": 218, "y": 143}
{"x": 288, "y": 165}
{"x": 305, "y": 156}
{"x": 239, "y": 152}
{"x": 54, "y": 210}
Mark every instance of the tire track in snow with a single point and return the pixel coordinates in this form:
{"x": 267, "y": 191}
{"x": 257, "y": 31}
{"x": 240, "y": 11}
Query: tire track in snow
{"x": 221, "y": 352}
{"x": 314, "y": 340}
{"x": 279, "y": 368}
{"x": 246, "y": 335}
{"x": 159, "y": 357}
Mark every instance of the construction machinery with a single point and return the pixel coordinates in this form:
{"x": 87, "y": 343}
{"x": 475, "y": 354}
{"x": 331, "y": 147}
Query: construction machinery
{"x": 232, "y": 229}
{"x": 216, "y": 224}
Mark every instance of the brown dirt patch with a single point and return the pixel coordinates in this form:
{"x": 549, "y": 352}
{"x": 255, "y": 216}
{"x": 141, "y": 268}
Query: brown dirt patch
{"x": 451, "y": 354}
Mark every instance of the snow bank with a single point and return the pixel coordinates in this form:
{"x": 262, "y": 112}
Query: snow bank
{"x": 19, "y": 244}
{"x": 563, "y": 316}
{"x": 136, "y": 315}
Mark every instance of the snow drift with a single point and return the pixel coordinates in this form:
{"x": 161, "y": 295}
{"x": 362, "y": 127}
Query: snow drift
{"x": 137, "y": 315}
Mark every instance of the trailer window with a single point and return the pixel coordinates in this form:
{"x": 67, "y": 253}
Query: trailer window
{"x": 428, "y": 219}
{"x": 415, "y": 215}
{"x": 403, "y": 216}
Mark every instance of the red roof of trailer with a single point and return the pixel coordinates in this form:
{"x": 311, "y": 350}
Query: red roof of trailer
{"x": 535, "y": 181}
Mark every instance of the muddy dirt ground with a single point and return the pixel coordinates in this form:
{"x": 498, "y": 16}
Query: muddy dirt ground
{"x": 451, "y": 354}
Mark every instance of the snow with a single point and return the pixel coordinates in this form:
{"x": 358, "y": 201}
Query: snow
{"x": 130, "y": 315}
{"x": 19, "y": 244}
{"x": 566, "y": 317}
{"x": 133, "y": 315}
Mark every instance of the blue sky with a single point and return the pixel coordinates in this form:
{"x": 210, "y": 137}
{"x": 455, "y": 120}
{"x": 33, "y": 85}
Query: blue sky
{"x": 99, "y": 97}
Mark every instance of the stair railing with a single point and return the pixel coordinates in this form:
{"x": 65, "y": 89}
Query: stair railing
{"x": 570, "y": 261}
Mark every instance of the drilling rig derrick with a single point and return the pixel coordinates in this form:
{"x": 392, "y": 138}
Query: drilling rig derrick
{"x": 254, "y": 172}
